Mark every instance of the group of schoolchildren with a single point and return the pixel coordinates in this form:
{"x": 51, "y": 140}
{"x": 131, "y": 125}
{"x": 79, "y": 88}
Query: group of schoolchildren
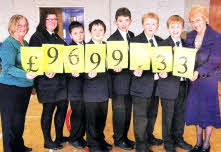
{"x": 139, "y": 88}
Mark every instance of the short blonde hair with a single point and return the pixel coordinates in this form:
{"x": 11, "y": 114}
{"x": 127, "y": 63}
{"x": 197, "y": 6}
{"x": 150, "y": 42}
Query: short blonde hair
{"x": 199, "y": 11}
{"x": 13, "y": 23}
{"x": 150, "y": 15}
{"x": 175, "y": 18}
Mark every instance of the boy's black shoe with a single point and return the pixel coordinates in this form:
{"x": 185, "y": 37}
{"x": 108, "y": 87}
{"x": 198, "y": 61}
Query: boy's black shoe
{"x": 79, "y": 144}
{"x": 182, "y": 144}
{"x": 154, "y": 141}
{"x": 53, "y": 146}
{"x": 125, "y": 144}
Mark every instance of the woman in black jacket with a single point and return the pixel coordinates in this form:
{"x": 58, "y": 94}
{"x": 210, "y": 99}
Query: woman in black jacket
{"x": 51, "y": 88}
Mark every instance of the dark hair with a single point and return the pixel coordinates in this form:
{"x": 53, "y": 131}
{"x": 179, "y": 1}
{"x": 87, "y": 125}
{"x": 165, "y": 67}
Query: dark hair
{"x": 42, "y": 24}
{"x": 123, "y": 11}
{"x": 97, "y": 22}
{"x": 75, "y": 24}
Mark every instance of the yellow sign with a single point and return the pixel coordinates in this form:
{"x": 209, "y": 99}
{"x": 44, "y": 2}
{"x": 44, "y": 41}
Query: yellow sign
{"x": 117, "y": 54}
{"x": 53, "y": 61}
{"x": 140, "y": 56}
{"x": 162, "y": 59}
{"x": 32, "y": 60}
{"x": 95, "y": 58}
{"x": 184, "y": 62}
{"x": 73, "y": 58}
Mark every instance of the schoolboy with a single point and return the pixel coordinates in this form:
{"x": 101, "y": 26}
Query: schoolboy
{"x": 143, "y": 87}
{"x": 75, "y": 93}
{"x": 121, "y": 100}
{"x": 96, "y": 95}
{"x": 173, "y": 93}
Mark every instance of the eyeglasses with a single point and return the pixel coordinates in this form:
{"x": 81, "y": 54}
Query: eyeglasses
{"x": 51, "y": 19}
{"x": 20, "y": 26}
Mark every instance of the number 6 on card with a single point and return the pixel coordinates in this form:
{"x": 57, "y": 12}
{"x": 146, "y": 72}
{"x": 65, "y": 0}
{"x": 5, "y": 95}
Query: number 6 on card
{"x": 117, "y": 54}
{"x": 95, "y": 58}
{"x": 53, "y": 54}
{"x": 74, "y": 58}
{"x": 184, "y": 62}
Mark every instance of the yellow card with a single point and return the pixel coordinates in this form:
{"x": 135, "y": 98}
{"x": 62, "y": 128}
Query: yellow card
{"x": 140, "y": 56}
{"x": 117, "y": 54}
{"x": 95, "y": 58}
{"x": 184, "y": 62}
{"x": 53, "y": 61}
{"x": 162, "y": 59}
{"x": 32, "y": 60}
{"x": 73, "y": 58}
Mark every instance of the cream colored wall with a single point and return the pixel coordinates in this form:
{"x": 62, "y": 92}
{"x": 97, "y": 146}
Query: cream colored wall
{"x": 102, "y": 9}
{"x": 189, "y": 4}
{"x": 93, "y": 9}
{"x": 164, "y": 9}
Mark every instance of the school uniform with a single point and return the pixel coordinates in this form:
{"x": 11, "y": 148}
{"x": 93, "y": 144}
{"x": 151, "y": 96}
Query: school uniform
{"x": 95, "y": 96}
{"x": 51, "y": 92}
{"x": 121, "y": 99}
{"x": 173, "y": 92}
{"x": 142, "y": 91}
{"x": 77, "y": 118}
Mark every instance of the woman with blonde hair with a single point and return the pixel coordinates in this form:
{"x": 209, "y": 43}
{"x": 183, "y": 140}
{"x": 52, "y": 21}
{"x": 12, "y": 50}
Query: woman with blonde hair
{"x": 15, "y": 86}
{"x": 202, "y": 109}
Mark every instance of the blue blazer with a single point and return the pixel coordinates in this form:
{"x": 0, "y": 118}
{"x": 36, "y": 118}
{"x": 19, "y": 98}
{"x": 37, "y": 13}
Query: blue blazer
{"x": 208, "y": 56}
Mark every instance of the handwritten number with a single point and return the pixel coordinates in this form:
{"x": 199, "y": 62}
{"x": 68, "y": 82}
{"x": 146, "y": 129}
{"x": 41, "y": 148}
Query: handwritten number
{"x": 71, "y": 56}
{"x": 117, "y": 59}
{"x": 184, "y": 64}
{"x": 161, "y": 58}
{"x": 55, "y": 57}
{"x": 94, "y": 61}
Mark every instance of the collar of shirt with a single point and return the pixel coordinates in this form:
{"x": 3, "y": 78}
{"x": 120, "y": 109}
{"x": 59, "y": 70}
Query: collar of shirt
{"x": 79, "y": 43}
{"x": 50, "y": 32}
{"x": 95, "y": 42}
{"x": 154, "y": 40}
{"x": 123, "y": 34}
{"x": 177, "y": 41}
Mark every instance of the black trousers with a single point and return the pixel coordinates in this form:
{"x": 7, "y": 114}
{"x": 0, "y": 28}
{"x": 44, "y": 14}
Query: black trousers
{"x": 77, "y": 120}
{"x": 153, "y": 110}
{"x": 122, "y": 108}
{"x": 173, "y": 118}
{"x": 14, "y": 103}
{"x": 59, "y": 119}
{"x": 141, "y": 121}
{"x": 96, "y": 114}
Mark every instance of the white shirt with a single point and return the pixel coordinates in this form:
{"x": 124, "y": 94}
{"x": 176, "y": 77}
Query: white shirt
{"x": 123, "y": 34}
{"x": 95, "y": 42}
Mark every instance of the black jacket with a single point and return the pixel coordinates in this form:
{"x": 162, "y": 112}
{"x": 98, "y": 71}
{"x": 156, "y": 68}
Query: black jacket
{"x": 49, "y": 90}
{"x": 75, "y": 85}
{"x": 120, "y": 81}
{"x": 95, "y": 89}
{"x": 143, "y": 86}
{"x": 168, "y": 88}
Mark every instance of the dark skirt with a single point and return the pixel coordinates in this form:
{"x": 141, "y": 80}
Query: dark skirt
{"x": 51, "y": 90}
{"x": 203, "y": 106}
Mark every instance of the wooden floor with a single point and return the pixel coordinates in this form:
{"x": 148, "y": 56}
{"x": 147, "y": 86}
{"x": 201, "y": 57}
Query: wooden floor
{"x": 33, "y": 135}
